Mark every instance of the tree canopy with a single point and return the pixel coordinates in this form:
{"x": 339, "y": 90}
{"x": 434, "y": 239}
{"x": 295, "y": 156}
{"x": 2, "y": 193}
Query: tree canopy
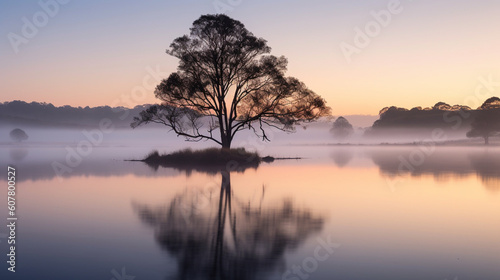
{"x": 486, "y": 124}
{"x": 491, "y": 103}
{"x": 341, "y": 128}
{"x": 226, "y": 82}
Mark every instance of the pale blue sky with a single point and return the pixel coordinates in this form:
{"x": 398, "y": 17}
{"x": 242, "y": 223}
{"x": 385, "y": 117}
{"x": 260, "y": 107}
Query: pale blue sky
{"x": 94, "y": 52}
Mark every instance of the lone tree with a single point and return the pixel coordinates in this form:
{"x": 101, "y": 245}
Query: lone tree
{"x": 18, "y": 135}
{"x": 227, "y": 81}
{"x": 341, "y": 128}
{"x": 485, "y": 124}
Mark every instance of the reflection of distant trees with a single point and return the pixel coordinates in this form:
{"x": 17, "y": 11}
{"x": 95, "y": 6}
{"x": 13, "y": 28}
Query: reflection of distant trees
{"x": 342, "y": 157}
{"x": 18, "y": 154}
{"x": 217, "y": 236}
{"x": 441, "y": 163}
{"x": 487, "y": 167}
{"x": 398, "y": 161}
{"x": 40, "y": 168}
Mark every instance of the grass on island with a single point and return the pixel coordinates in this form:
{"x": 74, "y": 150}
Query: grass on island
{"x": 208, "y": 160}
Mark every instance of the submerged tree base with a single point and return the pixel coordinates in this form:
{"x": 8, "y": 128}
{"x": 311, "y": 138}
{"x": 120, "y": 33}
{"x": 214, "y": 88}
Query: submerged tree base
{"x": 210, "y": 160}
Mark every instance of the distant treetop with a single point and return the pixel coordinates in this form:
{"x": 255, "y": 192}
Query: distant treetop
{"x": 18, "y": 135}
{"x": 491, "y": 103}
{"x": 341, "y": 128}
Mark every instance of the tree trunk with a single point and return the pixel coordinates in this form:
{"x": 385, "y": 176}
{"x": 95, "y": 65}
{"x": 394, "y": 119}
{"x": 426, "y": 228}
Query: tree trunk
{"x": 226, "y": 139}
{"x": 225, "y": 144}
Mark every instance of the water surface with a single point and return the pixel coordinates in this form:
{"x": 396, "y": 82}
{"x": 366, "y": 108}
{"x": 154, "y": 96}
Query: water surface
{"x": 387, "y": 212}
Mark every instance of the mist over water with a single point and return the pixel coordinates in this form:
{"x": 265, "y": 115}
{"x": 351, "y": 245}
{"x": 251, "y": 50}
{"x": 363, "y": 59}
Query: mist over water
{"x": 306, "y": 134}
{"x": 388, "y": 208}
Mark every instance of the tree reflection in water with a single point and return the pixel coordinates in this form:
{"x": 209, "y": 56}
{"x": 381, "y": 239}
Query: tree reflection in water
{"x": 220, "y": 237}
{"x": 18, "y": 153}
{"x": 487, "y": 167}
{"x": 342, "y": 157}
{"x": 441, "y": 163}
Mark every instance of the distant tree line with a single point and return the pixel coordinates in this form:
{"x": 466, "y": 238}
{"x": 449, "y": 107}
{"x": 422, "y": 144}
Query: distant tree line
{"x": 41, "y": 114}
{"x": 482, "y": 122}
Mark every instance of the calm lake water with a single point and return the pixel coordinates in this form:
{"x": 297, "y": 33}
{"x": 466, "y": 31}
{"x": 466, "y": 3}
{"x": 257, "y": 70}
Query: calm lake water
{"x": 340, "y": 213}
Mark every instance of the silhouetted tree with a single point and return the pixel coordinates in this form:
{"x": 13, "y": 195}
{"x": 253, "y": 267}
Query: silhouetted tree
{"x": 487, "y": 166}
{"x": 341, "y": 128}
{"x": 226, "y": 81}
{"x": 442, "y": 164}
{"x": 18, "y": 154}
{"x": 485, "y": 124}
{"x": 18, "y": 135}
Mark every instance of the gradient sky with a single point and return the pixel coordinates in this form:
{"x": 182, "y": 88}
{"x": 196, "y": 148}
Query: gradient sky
{"x": 95, "y": 53}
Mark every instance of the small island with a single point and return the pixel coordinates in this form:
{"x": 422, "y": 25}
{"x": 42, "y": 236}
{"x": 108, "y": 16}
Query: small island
{"x": 212, "y": 160}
